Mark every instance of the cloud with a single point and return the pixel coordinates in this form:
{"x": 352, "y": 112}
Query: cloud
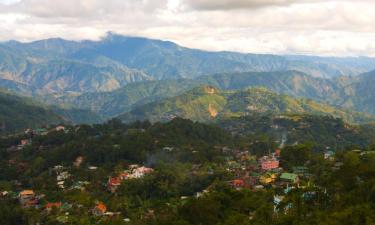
{"x": 81, "y": 8}
{"x": 330, "y": 27}
{"x": 235, "y": 4}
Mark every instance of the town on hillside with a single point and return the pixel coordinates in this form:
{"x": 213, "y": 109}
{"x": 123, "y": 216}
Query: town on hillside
{"x": 246, "y": 171}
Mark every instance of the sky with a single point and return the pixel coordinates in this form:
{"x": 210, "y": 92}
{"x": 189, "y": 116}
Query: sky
{"x": 312, "y": 27}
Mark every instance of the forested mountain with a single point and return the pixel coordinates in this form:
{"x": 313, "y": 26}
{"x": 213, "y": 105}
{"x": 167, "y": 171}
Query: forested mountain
{"x": 345, "y": 92}
{"x": 17, "y": 113}
{"x": 57, "y": 65}
{"x": 207, "y": 103}
{"x": 359, "y": 92}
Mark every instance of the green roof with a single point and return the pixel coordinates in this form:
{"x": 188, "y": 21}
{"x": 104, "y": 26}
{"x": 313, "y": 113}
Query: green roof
{"x": 289, "y": 176}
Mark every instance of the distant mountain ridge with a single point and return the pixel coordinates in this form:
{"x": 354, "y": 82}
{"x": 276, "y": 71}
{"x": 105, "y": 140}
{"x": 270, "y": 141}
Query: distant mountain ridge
{"x": 59, "y": 66}
{"x": 208, "y": 103}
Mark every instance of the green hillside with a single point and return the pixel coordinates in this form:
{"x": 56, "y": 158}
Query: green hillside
{"x": 207, "y": 103}
{"x": 353, "y": 93}
{"x": 109, "y": 104}
{"x": 17, "y": 113}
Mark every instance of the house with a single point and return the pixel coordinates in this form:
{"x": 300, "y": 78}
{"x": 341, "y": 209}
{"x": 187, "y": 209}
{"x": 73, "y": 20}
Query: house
{"x": 27, "y": 198}
{"x": 113, "y": 183}
{"x": 258, "y": 187}
{"x": 63, "y": 176}
{"x": 277, "y": 199}
{"x": 329, "y": 155}
{"x": 28, "y": 131}
{"x": 50, "y": 205}
{"x": 238, "y": 183}
{"x": 25, "y": 142}
{"x": 289, "y": 177}
{"x": 269, "y": 163}
{"x": 267, "y": 178}
{"x": 80, "y": 185}
{"x": 92, "y": 168}
{"x": 60, "y": 128}
{"x": 140, "y": 172}
{"x": 124, "y": 175}
{"x": 99, "y": 210}
{"x": 58, "y": 168}
{"x": 60, "y": 184}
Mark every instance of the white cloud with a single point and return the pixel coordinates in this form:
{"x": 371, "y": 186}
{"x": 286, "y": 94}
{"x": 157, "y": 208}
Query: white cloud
{"x": 331, "y": 27}
{"x": 235, "y": 4}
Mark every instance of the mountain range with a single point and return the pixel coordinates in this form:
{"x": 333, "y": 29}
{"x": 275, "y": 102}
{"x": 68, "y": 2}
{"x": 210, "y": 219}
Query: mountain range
{"x": 341, "y": 92}
{"x": 118, "y": 75}
{"x": 208, "y": 103}
{"x": 57, "y": 66}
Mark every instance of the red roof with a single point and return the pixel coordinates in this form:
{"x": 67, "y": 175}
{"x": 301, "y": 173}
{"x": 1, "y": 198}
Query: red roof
{"x": 238, "y": 183}
{"x": 101, "y": 207}
{"x": 114, "y": 181}
{"x": 53, "y": 204}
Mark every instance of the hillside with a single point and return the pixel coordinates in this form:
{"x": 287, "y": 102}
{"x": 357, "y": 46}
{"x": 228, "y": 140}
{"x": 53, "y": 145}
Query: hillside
{"x": 354, "y": 93}
{"x": 359, "y": 92}
{"x": 207, "y": 103}
{"x": 325, "y": 131}
{"x": 17, "y": 113}
{"x": 109, "y": 104}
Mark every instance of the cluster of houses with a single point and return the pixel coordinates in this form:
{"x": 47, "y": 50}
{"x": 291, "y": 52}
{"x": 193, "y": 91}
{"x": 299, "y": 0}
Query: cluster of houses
{"x": 61, "y": 175}
{"x": 133, "y": 172}
{"x": 256, "y": 174}
{"x": 29, "y": 134}
{"x": 28, "y": 199}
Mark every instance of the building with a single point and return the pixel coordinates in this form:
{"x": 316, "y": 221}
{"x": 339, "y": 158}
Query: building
{"x": 99, "y": 210}
{"x": 140, "y": 172}
{"x": 113, "y": 183}
{"x": 25, "y": 142}
{"x": 238, "y": 183}
{"x": 50, "y": 205}
{"x": 289, "y": 177}
{"x": 63, "y": 176}
{"x": 27, "y": 198}
{"x": 329, "y": 155}
{"x": 267, "y": 178}
{"x": 269, "y": 163}
{"x": 60, "y": 128}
